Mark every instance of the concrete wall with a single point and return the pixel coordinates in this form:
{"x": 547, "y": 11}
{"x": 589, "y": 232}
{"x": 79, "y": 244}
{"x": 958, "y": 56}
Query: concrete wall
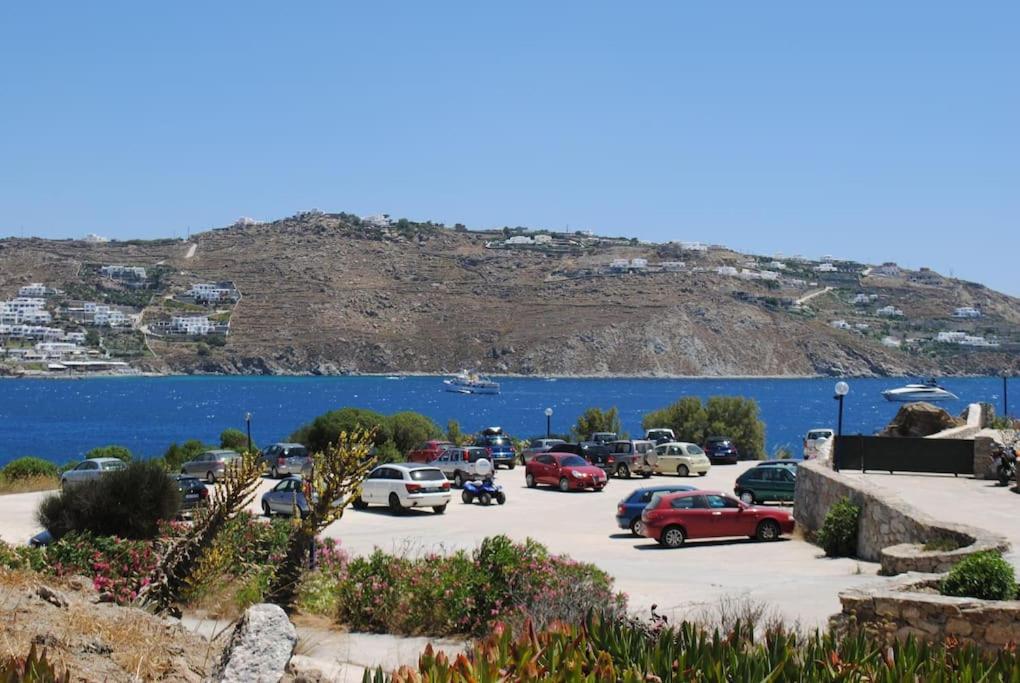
{"x": 890, "y": 530}
{"x": 908, "y": 606}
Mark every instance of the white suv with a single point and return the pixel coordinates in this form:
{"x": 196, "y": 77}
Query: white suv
{"x": 405, "y": 485}
{"x": 818, "y": 444}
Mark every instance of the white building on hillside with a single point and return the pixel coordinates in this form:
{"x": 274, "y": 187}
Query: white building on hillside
{"x": 950, "y": 337}
{"x": 208, "y": 292}
{"x": 93, "y": 238}
{"x": 35, "y": 289}
{"x": 887, "y": 269}
{"x": 672, "y": 266}
{"x": 638, "y": 264}
{"x": 24, "y": 310}
{"x": 693, "y": 246}
{"x": 543, "y": 239}
{"x": 777, "y": 265}
{"x": 891, "y": 342}
{"x": 889, "y": 312}
{"x": 619, "y": 265}
{"x": 863, "y": 299}
{"x": 123, "y": 272}
{"x": 967, "y": 312}
{"x": 191, "y": 324}
{"x": 825, "y": 268}
{"x": 729, "y": 271}
{"x": 840, "y": 324}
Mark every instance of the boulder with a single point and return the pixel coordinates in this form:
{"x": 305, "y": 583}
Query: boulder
{"x": 920, "y": 419}
{"x": 259, "y": 648}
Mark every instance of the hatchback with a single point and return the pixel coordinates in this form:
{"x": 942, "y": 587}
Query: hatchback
{"x": 628, "y": 510}
{"x": 682, "y": 458}
{"x": 721, "y": 450}
{"x": 770, "y": 481}
{"x": 282, "y": 459}
{"x": 672, "y": 518}
{"x": 193, "y": 492}
{"x": 566, "y": 471}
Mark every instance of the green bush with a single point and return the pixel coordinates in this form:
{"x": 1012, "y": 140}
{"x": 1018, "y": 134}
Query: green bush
{"x": 686, "y": 417}
{"x": 119, "y": 452}
{"x": 235, "y": 440}
{"x": 410, "y": 429}
{"x": 175, "y": 455}
{"x": 597, "y": 420}
{"x": 985, "y": 575}
{"x": 29, "y": 466}
{"x": 326, "y": 428}
{"x": 129, "y": 503}
{"x": 838, "y": 535}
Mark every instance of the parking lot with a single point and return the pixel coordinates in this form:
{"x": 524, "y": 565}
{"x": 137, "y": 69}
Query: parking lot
{"x": 790, "y": 575}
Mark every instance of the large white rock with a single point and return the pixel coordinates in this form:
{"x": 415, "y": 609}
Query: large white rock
{"x": 260, "y": 646}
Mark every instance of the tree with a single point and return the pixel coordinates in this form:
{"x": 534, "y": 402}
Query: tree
{"x": 596, "y": 420}
{"x": 737, "y": 417}
{"x": 337, "y": 473}
{"x": 92, "y": 338}
{"x": 119, "y": 452}
{"x": 453, "y": 433}
{"x": 327, "y": 428}
{"x": 235, "y": 440}
{"x": 686, "y": 417}
{"x": 410, "y": 429}
{"x": 175, "y": 455}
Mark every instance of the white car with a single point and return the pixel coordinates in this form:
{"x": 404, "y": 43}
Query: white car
{"x": 405, "y": 485}
{"x": 682, "y": 458}
{"x": 818, "y": 444}
{"x": 91, "y": 469}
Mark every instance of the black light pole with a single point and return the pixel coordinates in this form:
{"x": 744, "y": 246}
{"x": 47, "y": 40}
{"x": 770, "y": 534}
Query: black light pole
{"x": 548, "y": 422}
{"x": 247, "y": 421}
{"x": 842, "y": 389}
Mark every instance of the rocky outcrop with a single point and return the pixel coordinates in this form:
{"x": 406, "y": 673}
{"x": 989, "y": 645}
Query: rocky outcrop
{"x": 920, "y": 419}
{"x": 259, "y": 648}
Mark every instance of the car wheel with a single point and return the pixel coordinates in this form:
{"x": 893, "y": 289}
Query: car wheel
{"x": 395, "y": 505}
{"x": 529, "y": 479}
{"x": 747, "y": 497}
{"x": 500, "y": 497}
{"x": 266, "y": 510}
{"x": 485, "y": 499}
{"x": 672, "y": 537}
{"x": 623, "y": 472}
{"x": 359, "y": 503}
{"x": 701, "y": 474}
{"x": 210, "y": 478}
{"x": 439, "y": 509}
{"x": 458, "y": 480}
{"x": 274, "y": 473}
{"x": 564, "y": 484}
{"x": 637, "y": 527}
{"x": 465, "y": 497}
{"x": 768, "y": 530}
{"x": 682, "y": 471}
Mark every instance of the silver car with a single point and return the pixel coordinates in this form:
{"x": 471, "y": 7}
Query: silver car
{"x": 537, "y": 447}
{"x": 282, "y": 459}
{"x": 211, "y": 465}
{"x": 460, "y": 464}
{"x": 91, "y": 469}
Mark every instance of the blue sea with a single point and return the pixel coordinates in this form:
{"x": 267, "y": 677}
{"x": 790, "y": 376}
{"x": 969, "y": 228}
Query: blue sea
{"x": 62, "y": 419}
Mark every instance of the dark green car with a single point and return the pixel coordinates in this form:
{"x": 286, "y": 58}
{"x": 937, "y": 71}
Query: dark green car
{"x": 766, "y": 482}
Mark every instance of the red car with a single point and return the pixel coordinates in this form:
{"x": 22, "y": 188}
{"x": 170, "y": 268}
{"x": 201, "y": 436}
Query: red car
{"x": 428, "y": 451}
{"x": 672, "y": 518}
{"x": 566, "y": 471}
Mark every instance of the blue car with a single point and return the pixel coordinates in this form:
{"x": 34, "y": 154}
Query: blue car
{"x": 628, "y": 511}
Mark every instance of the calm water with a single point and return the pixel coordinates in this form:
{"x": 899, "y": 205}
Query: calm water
{"x": 62, "y": 419}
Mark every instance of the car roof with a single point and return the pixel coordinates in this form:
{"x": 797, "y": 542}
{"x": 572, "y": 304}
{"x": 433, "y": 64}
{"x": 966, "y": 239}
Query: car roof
{"x": 408, "y": 466}
{"x": 289, "y": 445}
{"x": 102, "y": 460}
{"x": 667, "y": 488}
{"x": 222, "y": 451}
{"x": 785, "y": 462}
{"x": 678, "y": 494}
{"x": 677, "y": 443}
{"x": 718, "y": 438}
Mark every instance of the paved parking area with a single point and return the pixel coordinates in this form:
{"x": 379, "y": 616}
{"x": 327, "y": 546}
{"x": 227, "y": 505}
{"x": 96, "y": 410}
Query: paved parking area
{"x": 790, "y": 575}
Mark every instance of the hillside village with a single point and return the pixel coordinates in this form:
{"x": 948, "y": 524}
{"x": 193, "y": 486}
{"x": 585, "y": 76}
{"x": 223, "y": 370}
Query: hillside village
{"x": 337, "y": 293}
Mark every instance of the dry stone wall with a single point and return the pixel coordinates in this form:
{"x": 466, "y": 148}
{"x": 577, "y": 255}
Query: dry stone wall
{"x": 890, "y": 530}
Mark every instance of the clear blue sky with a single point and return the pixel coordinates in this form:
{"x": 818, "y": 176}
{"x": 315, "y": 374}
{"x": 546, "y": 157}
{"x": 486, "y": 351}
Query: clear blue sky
{"x": 877, "y": 131}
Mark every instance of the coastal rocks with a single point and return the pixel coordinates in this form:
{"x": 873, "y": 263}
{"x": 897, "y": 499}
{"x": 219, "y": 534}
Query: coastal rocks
{"x": 920, "y": 419}
{"x": 260, "y": 647}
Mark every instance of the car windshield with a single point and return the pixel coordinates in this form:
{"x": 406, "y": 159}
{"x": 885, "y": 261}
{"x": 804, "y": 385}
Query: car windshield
{"x": 694, "y": 450}
{"x": 573, "y": 461}
{"x": 296, "y": 452}
{"x": 720, "y": 444}
{"x": 643, "y": 447}
{"x": 497, "y": 441}
{"x": 112, "y": 465}
{"x": 430, "y": 474}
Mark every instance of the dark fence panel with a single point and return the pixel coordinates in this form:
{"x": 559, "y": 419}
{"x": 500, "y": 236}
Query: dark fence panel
{"x": 893, "y": 454}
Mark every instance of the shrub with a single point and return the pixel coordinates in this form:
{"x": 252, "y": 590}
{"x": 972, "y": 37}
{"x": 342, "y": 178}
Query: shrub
{"x": 235, "y": 440}
{"x": 176, "y": 455}
{"x": 119, "y": 452}
{"x": 985, "y": 575}
{"x": 838, "y": 535}
{"x": 128, "y": 503}
{"x": 29, "y": 466}
{"x": 410, "y": 429}
{"x": 733, "y": 416}
{"x": 686, "y": 417}
{"x": 326, "y": 428}
{"x": 597, "y": 420}
{"x": 118, "y": 567}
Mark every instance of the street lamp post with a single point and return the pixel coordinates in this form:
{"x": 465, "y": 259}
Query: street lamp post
{"x": 247, "y": 422}
{"x": 548, "y": 422}
{"x": 841, "y": 389}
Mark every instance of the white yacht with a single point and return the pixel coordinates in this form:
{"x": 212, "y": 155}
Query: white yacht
{"x": 929, "y": 391}
{"x": 469, "y": 383}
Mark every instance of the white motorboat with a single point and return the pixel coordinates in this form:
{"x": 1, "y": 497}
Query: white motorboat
{"x": 929, "y": 391}
{"x": 469, "y": 383}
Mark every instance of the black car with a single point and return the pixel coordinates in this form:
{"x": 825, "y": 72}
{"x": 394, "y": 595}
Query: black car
{"x": 194, "y": 494}
{"x": 721, "y": 450}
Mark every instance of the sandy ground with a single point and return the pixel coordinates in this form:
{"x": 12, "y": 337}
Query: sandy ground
{"x": 790, "y": 575}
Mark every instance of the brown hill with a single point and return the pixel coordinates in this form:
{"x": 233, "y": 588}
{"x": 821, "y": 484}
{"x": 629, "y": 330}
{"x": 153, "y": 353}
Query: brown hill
{"x": 325, "y": 294}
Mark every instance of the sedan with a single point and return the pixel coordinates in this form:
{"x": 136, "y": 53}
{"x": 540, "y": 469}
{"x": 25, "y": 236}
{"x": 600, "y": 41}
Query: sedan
{"x": 287, "y": 496}
{"x": 672, "y": 518}
{"x": 566, "y": 471}
{"x": 193, "y": 492}
{"x": 628, "y": 510}
{"x": 211, "y": 465}
{"x": 91, "y": 469}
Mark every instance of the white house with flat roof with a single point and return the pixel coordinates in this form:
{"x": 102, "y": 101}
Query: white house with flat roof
{"x": 889, "y": 312}
{"x": 209, "y": 292}
{"x": 118, "y": 272}
{"x": 35, "y": 289}
{"x": 672, "y": 266}
{"x": 950, "y": 337}
{"x": 825, "y": 268}
{"x": 967, "y": 312}
{"x": 840, "y": 324}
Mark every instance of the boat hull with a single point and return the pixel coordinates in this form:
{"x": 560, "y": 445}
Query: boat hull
{"x": 913, "y": 397}
{"x": 458, "y": 388}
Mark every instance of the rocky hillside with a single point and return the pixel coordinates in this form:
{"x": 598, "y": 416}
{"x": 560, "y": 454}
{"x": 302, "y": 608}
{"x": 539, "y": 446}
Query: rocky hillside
{"x": 328, "y": 294}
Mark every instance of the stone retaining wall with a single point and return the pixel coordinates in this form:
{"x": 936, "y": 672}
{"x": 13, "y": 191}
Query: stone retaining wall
{"x": 910, "y": 606}
{"x": 890, "y": 530}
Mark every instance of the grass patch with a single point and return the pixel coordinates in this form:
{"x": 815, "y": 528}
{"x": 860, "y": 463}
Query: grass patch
{"x": 38, "y": 482}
